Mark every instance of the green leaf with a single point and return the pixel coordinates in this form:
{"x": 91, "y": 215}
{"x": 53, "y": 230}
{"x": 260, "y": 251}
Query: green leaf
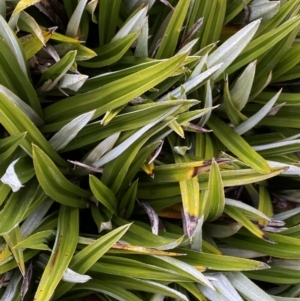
{"x": 10, "y": 38}
{"x": 256, "y": 118}
{"x": 220, "y": 262}
{"x": 230, "y": 178}
{"x": 127, "y": 203}
{"x": 232, "y": 47}
{"x": 247, "y": 288}
{"x": 139, "y": 236}
{"x": 104, "y": 287}
{"x": 8, "y": 145}
{"x": 215, "y": 196}
{"x": 12, "y": 239}
{"x": 118, "y": 150}
{"x": 103, "y": 194}
{"x": 73, "y": 25}
{"x": 27, "y": 23}
{"x": 17, "y": 205}
{"x": 110, "y": 53}
{"x": 191, "y": 84}
{"x": 264, "y": 205}
{"x": 62, "y": 253}
{"x": 14, "y": 79}
{"x": 213, "y": 22}
{"x": 51, "y": 76}
{"x": 171, "y": 35}
{"x": 31, "y": 114}
{"x": 86, "y": 258}
{"x": 102, "y": 148}
{"x": 31, "y": 44}
{"x": 263, "y": 43}
{"x": 246, "y": 210}
{"x": 238, "y": 216}
{"x": 107, "y": 20}
{"x": 241, "y": 90}
{"x": 108, "y": 97}
{"x": 37, "y": 241}
{"x": 16, "y": 121}
{"x": 133, "y": 24}
{"x": 55, "y": 184}
{"x": 69, "y": 131}
{"x": 285, "y": 247}
{"x": 237, "y": 145}
{"x": 234, "y": 115}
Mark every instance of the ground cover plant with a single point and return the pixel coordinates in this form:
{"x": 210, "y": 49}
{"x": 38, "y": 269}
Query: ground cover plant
{"x": 149, "y": 150}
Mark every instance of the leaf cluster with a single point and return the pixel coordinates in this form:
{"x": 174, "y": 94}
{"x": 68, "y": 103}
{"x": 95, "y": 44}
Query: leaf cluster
{"x": 149, "y": 150}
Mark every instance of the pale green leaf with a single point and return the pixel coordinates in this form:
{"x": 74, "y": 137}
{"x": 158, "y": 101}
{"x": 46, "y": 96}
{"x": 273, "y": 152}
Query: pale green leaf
{"x": 62, "y": 253}
{"x": 73, "y": 25}
{"x": 69, "y": 131}
{"x": 230, "y": 49}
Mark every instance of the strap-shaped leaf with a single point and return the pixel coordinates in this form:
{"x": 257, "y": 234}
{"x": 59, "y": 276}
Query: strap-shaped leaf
{"x": 263, "y": 43}
{"x": 12, "y": 239}
{"x": 133, "y": 24}
{"x": 8, "y": 145}
{"x": 55, "y": 184}
{"x": 213, "y": 22}
{"x": 103, "y": 194}
{"x": 234, "y": 115}
{"x": 17, "y": 205}
{"x": 86, "y": 258}
{"x": 286, "y": 247}
{"x": 51, "y": 76}
{"x": 69, "y": 131}
{"x": 106, "y": 284}
{"x": 241, "y": 90}
{"x": 256, "y": 118}
{"x": 221, "y": 262}
{"x": 110, "y": 53}
{"x": 9, "y": 36}
{"x": 237, "y": 145}
{"x": 157, "y": 190}
{"x": 182, "y": 171}
{"x": 191, "y": 84}
{"x": 171, "y": 35}
{"x": 31, "y": 44}
{"x": 230, "y": 49}
{"x": 264, "y": 205}
{"x": 215, "y": 196}
{"x": 37, "y": 241}
{"x": 223, "y": 289}
{"x": 128, "y": 121}
{"x": 127, "y": 203}
{"x": 62, "y": 253}
{"x": 13, "y": 78}
{"x": 118, "y": 150}
{"x": 27, "y": 23}
{"x": 107, "y": 20}
{"x": 247, "y": 288}
{"x": 73, "y": 25}
{"x": 16, "y": 121}
{"x": 134, "y": 234}
{"x": 238, "y": 215}
{"x": 113, "y": 94}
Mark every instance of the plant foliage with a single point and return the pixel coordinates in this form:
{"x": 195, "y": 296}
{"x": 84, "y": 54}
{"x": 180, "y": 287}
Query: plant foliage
{"x": 149, "y": 150}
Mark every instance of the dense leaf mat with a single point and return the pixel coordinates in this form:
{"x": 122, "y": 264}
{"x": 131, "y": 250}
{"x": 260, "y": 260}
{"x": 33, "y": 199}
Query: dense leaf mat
{"x": 149, "y": 150}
